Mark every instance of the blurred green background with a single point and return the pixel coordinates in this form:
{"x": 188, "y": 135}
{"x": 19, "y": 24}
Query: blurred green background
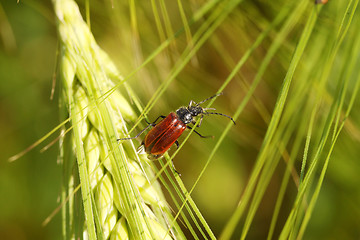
{"x": 29, "y": 187}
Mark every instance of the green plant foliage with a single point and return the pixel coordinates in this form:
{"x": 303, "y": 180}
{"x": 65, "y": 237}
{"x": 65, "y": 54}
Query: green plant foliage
{"x": 288, "y": 70}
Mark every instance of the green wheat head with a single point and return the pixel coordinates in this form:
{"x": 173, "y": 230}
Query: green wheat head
{"x": 120, "y": 195}
{"x": 118, "y": 198}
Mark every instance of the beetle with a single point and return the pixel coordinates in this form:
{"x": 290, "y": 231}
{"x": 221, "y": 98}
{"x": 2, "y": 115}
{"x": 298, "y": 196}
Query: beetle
{"x": 165, "y": 133}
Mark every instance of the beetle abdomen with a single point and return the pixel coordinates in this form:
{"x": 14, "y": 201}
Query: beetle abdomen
{"x": 163, "y": 135}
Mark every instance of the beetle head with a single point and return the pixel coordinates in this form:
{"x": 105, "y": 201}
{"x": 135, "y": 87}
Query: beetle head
{"x": 195, "y": 110}
{"x": 187, "y": 114}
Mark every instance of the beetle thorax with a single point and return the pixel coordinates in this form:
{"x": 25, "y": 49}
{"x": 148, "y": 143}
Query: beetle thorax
{"x": 184, "y": 115}
{"x": 187, "y": 114}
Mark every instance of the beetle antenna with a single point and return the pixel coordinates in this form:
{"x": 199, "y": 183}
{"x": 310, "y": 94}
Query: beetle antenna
{"x": 221, "y": 114}
{"x": 218, "y": 94}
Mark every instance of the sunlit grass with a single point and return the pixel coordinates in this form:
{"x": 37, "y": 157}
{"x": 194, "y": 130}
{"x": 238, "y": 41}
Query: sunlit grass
{"x": 310, "y": 102}
{"x": 289, "y": 74}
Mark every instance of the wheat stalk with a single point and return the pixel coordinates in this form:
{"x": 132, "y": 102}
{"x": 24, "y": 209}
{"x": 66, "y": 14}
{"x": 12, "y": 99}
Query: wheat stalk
{"x": 118, "y": 200}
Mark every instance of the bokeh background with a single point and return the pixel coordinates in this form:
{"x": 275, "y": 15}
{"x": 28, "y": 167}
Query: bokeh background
{"x": 29, "y": 187}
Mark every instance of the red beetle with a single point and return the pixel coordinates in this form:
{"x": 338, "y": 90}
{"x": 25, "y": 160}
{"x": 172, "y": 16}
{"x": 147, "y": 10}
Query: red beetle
{"x": 165, "y": 133}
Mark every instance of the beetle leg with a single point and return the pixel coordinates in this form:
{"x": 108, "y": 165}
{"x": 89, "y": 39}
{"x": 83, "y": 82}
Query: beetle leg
{"x": 194, "y": 121}
{"x": 199, "y": 133}
{"x": 161, "y": 116}
{"x": 149, "y": 125}
{"x": 173, "y": 167}
{"x": 205, "y": 109}
{"x": 191, "y": 103}
{"x": 177, "y": 143}
{"x": 201, "y": 118}
{"x": 141, "y": 132}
